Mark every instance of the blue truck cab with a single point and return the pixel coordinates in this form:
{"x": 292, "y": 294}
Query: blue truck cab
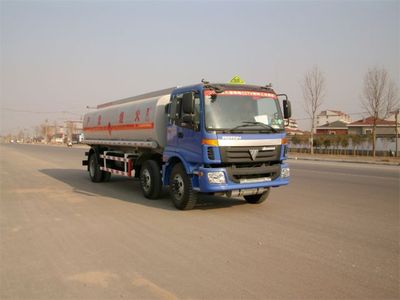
{"x": 225, "y": 139}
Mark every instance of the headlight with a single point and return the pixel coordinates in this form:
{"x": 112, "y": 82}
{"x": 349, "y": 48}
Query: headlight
{"x": 216, "y": 177}
{"x": 285, "y": 172}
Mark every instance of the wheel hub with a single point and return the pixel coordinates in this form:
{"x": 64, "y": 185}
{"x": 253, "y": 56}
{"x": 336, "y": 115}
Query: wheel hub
{"x": 91, "y": 167}
{"x": 178, "y": 186}
{"x": 146, "y": 180}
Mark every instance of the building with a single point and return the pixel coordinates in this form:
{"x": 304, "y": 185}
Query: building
{"x": 384, "y": 128}
{"x": 392, "y": 116}
{"x": 292, "y": 128}
{"x": 330, "y": 116}
{"x": 337, "y": 127}
{"x": 73, "y": 130}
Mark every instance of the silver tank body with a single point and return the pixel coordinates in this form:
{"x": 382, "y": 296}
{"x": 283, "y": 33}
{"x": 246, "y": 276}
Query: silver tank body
{"x": 131, "y": 119}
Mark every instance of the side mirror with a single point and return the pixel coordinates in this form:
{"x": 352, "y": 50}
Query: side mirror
{"x": 188, "y": 103}
{"x": 287, "y": 109}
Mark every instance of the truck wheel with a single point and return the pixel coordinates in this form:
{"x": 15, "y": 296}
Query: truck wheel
{"x": 181, "y": 190}
{"x": 256, "y": 199}
{"x": 106, "y": 176}
{"x": 150, "y": 179}
{"x": 96, "y": 175}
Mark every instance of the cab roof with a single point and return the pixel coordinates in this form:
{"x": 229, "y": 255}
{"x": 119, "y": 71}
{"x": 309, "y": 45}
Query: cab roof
{"x": 226, "y": 86}
{"x": 199, "y": 86}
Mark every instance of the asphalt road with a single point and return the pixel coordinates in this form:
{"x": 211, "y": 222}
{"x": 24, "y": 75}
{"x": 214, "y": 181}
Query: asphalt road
{"x": 332, "y": 233}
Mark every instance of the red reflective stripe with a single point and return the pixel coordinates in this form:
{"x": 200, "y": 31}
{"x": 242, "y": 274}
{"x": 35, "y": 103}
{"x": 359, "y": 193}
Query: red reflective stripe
{"x": 241, "y": 93}
{"x": 138, "y": 126}
{"x": 128, "y": 174}
{"x": 114, "y": 171}
{"x": 114, "y": 158}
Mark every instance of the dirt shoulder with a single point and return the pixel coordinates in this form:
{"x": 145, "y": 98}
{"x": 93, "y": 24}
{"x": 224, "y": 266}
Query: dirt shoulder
{"x": 347, "y": 158}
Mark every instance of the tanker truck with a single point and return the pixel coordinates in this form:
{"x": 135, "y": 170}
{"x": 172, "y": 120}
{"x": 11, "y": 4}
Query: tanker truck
{"x": 212, "y": 138}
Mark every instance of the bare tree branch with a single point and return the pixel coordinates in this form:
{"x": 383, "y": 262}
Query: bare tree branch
{"x": 313, "y": 87}
{"x": 393, "y": 99}
{"x": 380, "y": 97}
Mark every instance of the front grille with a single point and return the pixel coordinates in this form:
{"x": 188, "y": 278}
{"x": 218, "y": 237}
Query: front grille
{"x": 262, "y": 172}
{"x": 243, "y": 154}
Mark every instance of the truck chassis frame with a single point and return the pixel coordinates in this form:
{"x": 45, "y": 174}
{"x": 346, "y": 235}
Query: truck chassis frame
{"x": 128, "y": 161}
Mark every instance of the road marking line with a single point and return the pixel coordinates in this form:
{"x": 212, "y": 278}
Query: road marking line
{"x": 343, "y": 174}
{"x": 94, "y": 278}
{"x": 140, "y": 281}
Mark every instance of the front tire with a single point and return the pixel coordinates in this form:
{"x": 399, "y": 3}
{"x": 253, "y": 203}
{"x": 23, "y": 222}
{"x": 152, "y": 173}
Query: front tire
{"x": 257, "y": 199}
{"x": 181, "y": 190}
{"x": 150, "y": 179}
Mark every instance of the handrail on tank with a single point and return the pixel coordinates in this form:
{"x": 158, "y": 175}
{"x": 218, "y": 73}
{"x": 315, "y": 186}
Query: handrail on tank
{"x": 139, "y": 97}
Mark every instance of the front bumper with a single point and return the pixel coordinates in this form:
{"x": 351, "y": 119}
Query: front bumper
{"x": 254, "y": 183}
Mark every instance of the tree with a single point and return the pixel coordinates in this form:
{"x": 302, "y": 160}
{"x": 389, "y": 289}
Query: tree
{"x": 336, "y": 142}
{"x": 295, "y": 140}
{"x": 304, "y": 140}
{"x": 368, "y": 140}
{"x": 313, "y": 86}
{"x": 21, "y": 135}
{"x": 327, "y": 141}
{"x": 380, "y": 97}
{"x": 355, "y": 142}
{"x": 46, "y": 131}
{"x": 37, "y": 131}
{"x": 344, "y": 142}
{"x": 317, "y": 142}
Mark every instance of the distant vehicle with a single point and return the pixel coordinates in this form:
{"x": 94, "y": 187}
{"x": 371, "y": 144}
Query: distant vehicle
{"x": 38, "y": 140}
{"x": 223, "y": 139}
{"x": 76, "y": 138}
{"x": 58, "y": 138}
{"x": 80, "y": 138}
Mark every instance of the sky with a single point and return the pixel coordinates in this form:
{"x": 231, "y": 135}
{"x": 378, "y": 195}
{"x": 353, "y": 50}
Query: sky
{"x": 58, "y": 57}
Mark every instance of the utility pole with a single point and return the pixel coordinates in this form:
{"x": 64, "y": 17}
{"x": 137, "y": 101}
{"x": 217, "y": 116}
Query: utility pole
{"x": 397, "y": 132}
{"x": 47, "y": 134}
{"x": 55, "y": 131}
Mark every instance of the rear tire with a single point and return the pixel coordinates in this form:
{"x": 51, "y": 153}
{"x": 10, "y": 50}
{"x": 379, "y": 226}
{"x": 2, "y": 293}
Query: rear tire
{"x": 96, "y": 175}
{"x": 257, "y": 199}
{"x": 180, "y": 188}
{"x": 106, "y": 176}
{"x": 150, "y": 179}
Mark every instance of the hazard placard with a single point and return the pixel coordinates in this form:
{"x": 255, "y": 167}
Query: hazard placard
{"x": 237, "y": 80}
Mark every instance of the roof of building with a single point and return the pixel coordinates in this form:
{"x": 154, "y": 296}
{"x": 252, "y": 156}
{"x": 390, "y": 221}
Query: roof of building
{"x": 293, "y": 131}
{"x": 370, "y": 121}
{"x": 336, "y": 124}
{"x": 337, "y": 112}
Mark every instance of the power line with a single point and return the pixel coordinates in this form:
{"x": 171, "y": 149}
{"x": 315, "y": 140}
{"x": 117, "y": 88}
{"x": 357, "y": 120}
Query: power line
{"x": 350, "y": 114}
{"x": 40, "y": 112}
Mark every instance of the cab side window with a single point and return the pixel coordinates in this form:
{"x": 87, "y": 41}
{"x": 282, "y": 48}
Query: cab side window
{"x": 176, "y": 111}
{"x": 197, "y": 109}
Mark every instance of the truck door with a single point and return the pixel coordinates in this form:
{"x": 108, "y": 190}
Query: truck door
{"x": 185, "y": 136}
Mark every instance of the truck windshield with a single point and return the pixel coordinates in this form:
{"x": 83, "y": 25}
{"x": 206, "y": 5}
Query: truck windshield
{"x": 242, "y": 111}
